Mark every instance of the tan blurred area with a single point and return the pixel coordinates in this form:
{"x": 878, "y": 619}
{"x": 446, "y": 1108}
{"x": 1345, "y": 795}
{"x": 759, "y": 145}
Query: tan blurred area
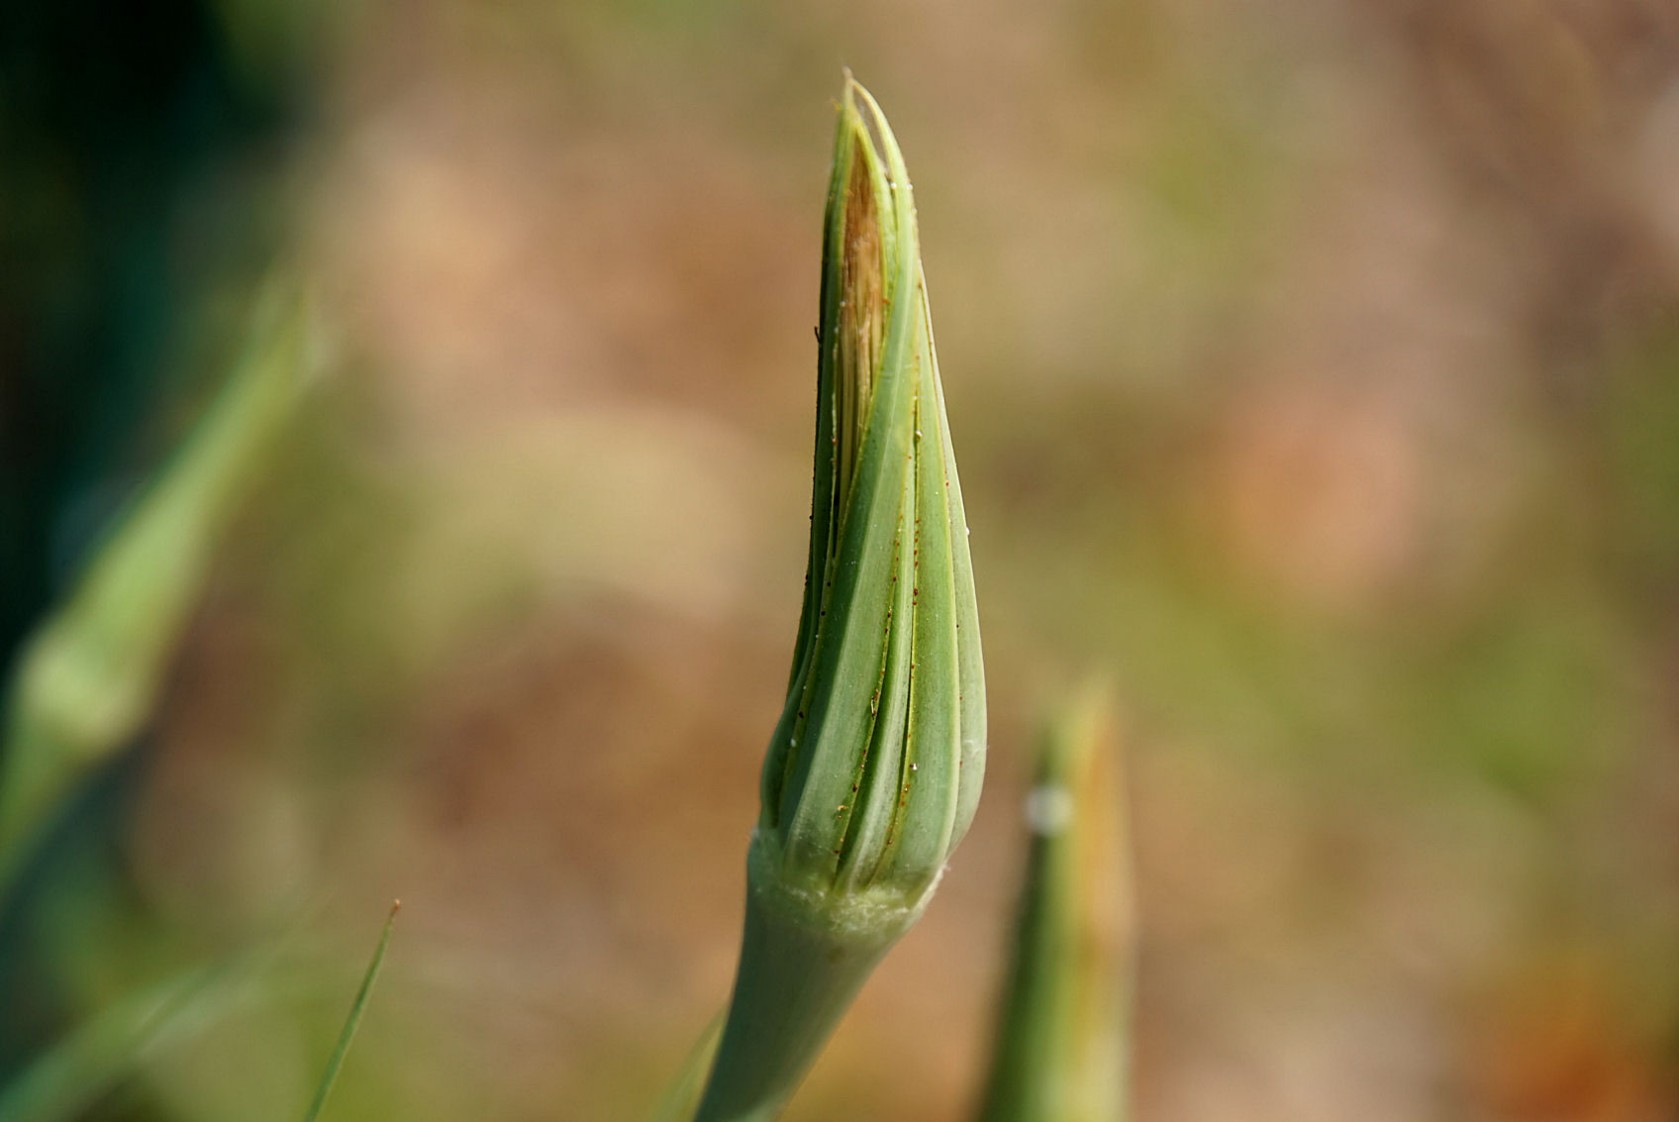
{"x": 1313, "y": 368}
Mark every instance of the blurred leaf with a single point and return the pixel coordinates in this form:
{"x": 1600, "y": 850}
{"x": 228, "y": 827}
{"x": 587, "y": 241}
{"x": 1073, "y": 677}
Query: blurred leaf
{"x": 89, "y": 677}
{"x": 81, "y": 1069}
{"x": 682, "y": 1097}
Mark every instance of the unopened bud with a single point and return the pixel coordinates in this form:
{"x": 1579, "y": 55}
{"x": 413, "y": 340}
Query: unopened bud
{"x": 874, "y": 769}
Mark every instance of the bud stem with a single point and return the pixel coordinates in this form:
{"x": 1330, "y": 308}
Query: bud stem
{"x": 799, "y": 971}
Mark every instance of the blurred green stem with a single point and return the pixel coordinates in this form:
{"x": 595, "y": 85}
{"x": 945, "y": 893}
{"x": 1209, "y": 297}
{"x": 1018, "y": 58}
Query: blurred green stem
{"x": 78, "y": 1071}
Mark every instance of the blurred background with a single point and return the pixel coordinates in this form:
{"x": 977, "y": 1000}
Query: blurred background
{"x": 1314, "y": 371}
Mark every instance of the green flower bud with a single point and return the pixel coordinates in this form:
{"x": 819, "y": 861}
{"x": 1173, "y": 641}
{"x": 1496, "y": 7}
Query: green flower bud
{"x": 874, "y": 769}
{"x": 1063, "y": 1033}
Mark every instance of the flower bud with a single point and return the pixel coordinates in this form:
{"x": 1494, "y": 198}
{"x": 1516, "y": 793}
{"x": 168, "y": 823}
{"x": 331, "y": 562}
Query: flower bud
{"x": 874, "y": 769}
{"x": 1063, "y": 1034}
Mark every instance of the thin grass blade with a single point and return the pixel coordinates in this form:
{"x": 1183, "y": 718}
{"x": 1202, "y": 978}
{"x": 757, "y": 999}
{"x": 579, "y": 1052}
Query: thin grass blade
{"x": 353, "y": 1022}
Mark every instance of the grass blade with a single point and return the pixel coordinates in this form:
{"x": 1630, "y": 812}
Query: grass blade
{"x": 339, "y": 1051}
{"x": 682, "y": 1097}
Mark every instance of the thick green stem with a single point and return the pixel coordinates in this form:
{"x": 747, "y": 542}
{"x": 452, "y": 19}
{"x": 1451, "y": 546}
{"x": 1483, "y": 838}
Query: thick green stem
{"x": 803, "y": 958}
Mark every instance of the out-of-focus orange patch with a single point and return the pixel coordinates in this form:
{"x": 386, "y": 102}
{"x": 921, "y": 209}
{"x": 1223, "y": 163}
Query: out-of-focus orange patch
{"x": 1557, "y": 1048}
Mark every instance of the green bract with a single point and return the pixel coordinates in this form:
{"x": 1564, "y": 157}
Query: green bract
{"x": 874, "y": 769}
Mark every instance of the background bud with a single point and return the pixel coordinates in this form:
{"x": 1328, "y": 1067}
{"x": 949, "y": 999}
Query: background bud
{"x": 1064, "y": 1026}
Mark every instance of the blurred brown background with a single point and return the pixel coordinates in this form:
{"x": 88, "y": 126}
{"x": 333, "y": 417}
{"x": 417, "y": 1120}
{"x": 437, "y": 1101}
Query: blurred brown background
{"x": 1314, "y": 371}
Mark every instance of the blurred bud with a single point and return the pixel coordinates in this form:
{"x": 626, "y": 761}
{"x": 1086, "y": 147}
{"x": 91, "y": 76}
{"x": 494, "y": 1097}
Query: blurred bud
{"x": 1064, "y": 1029}
{"x": 874, "y": 769}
